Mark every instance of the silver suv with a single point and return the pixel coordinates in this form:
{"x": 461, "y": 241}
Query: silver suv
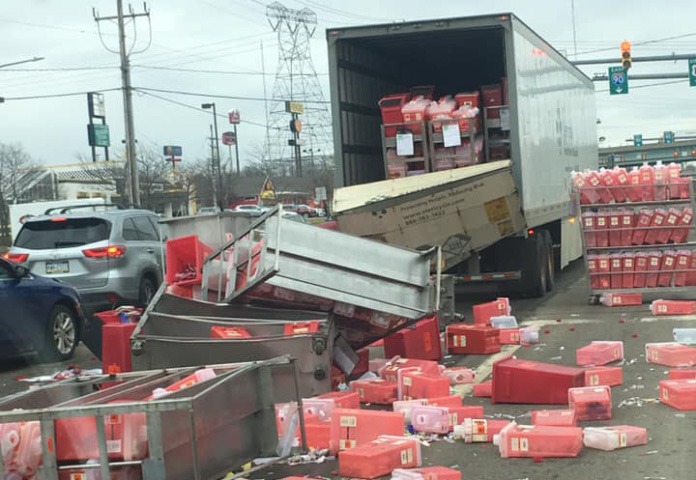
{"x": 111, "y": 257}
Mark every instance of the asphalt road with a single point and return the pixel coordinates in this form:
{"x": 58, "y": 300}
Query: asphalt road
{"x": 571, "y": 322}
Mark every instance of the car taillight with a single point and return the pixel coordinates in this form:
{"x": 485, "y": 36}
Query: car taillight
{"x": 16, "y": 257}
{"x": 112, "y": 251}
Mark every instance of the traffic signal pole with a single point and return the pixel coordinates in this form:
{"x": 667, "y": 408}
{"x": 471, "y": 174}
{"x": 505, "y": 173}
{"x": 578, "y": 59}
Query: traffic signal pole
{"x": 650, "y": 58}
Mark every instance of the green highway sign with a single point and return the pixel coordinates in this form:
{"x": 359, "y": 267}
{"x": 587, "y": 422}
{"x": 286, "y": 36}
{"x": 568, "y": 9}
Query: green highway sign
{"x": 618, "y": 81}
{"x": 98, "y": 135}
{"x": 637, "y": 140}
{"x": 668, "y": 136}
{"x": 692, "y": 72}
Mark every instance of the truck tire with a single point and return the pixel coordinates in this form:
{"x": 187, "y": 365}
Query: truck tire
{"x": 551, "y": 266}
{"x": 534, "y": 266}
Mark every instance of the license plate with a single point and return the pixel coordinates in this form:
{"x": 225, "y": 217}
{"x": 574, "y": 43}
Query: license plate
{"x": 53, "y": 268}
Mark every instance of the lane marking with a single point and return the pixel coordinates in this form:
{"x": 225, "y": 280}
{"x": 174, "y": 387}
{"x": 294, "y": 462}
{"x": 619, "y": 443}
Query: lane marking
{"x": 669, "y": 318}
{"x": 485, "y": 369}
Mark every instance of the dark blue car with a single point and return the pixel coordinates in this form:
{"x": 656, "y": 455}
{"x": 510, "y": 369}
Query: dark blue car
{"x": 37, "y": 314}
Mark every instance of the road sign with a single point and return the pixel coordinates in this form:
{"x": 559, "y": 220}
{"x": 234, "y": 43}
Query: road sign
{"x": 669, "y": 137}
{"x": 618, "y": 81}
{"x": 692, "y": 72}
{"x": 172, "y": 151}
{"x": 98, "y": 135}
{"x": 320, "y": 194}
{"x": 294, "y": 107}
{"x": 234, "y": 117}
{"x": 229, "y": 138}
{"x": 637, "y": 140}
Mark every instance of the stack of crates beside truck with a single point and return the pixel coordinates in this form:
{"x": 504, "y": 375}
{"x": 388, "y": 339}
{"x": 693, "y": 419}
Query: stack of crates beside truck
{"x": 637, "y": 229}
{"x": 502, "y": 63}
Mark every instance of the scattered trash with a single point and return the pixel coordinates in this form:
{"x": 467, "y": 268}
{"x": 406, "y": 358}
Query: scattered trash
{"x": 71, "y": 372}
{"x": 649, "y": 452}
{"x": 314, "y": 456}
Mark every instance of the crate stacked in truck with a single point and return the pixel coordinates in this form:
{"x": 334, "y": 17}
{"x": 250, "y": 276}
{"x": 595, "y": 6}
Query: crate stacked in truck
{"x": 637, "y": 228}
{"x": 421, "y": 134}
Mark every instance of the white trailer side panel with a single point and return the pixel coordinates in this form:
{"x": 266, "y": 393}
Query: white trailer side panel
{"x": 554, "y": 114}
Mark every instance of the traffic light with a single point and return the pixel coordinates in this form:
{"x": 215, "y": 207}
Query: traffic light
{"x": 626, "y": 54}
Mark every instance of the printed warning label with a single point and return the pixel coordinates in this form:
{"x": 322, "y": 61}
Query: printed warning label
{"x": 497, "y": 210}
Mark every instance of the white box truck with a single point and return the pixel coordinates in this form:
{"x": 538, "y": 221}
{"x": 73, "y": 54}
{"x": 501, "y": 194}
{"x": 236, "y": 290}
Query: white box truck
{"x": 518, "y": 229}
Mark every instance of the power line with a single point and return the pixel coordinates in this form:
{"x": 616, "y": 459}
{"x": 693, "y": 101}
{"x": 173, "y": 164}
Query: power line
{"x": 198, "y": 70}
{"x": 651, "y": 85}
{"x": 59, "y": 95}
{"x": 61, "y": 69}
{"x": 213, "y": 95}
{"x": 647, "y": 42}
{"x": 198, "y": 109}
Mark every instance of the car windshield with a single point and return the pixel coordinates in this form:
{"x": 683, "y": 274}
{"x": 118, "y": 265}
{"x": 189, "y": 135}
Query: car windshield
{"x": 51, "y": 234}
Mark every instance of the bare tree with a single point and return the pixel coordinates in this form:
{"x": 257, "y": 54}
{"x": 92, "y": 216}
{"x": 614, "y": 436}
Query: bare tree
{"x": 154, "y": 174}
{"x": 16, "y": 171}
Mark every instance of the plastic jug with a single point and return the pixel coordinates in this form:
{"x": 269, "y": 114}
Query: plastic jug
{"x": 614, "y": 437}
{"x": 479, "y": 430}
{"x": 459, "y": 375}
{"x": 406, "y": 407}
{"x": 538, "y": 441}
{"x": 685, "y": 335}
{"x": 504, "y": 321}
{"x": 529, "y": 335}
{"x": 430, "y": 419}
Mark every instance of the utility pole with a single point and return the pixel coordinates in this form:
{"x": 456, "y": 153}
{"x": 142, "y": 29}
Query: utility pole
{"x": 132, "y": 183}
{"x": 213, "y": 170}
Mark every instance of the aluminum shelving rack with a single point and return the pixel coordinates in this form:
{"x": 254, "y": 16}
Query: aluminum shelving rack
{"x": 580, "y": 208}
{"x": 201, "y": 432}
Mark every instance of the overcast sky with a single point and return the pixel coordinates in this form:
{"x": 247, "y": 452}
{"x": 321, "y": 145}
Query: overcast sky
{"x": 226, "y": 35}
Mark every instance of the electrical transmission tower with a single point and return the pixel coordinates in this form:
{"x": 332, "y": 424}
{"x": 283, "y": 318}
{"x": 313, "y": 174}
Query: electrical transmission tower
{"x": 296, "y": 81}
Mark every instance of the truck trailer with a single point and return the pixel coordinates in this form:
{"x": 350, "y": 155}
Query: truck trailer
{"x": 549, "y": 121}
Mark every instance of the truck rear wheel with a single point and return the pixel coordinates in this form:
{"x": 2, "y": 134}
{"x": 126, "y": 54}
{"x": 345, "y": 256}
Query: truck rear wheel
{"x": 534, "y": 266}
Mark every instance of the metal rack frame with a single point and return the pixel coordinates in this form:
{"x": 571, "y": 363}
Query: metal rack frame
{"x": 489, "y": 123}
{"x": 435, "y": 138}
{"x": 390, "y": 142}
{"x": 579, "y": 208}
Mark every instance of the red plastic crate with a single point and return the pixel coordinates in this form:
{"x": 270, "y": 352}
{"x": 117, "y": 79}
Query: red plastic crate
{"x": 679, "y": 394}
{"x": 492, "y": 97}
{"x": 599, "y": 353}
{"x": 301, "y": 328}
{"x": 391, "y": 369}
{"x": 592, "y": 271}
{"x": 363, "y": 365}
{"x": 641, "y": 268}
{"x": 318, "y": 434}
{"x": 483, "y": 389}
{"x": 670, "y": 354}
{"x": 483, "y": 312}
{"x": 459, "y": 375}
{"x": 590, "y": 403}
{"x": 603, "y": 269}
{"x": 229, "y": 332}
{"x": 673, "y": 216}
{"x": 554, "y": 418}
{"x": 654, "y": 262}
{"x": 616, "y": 267}
{"x": 682, "y": 374}
{"x": 420, "y": 342}
{"x": 673, "y": 307}
{"x": 465, "y": 339}
{"x": 628, "y": 265}
{"x": 517, "y": 441}
{"x": 459, "y": 413}
{"x": 615, "y": 436}
{"x": 509, "y": 336}
{"x": 588, "y": 226}
{"x": 184, "y": 260}
{"x": 669, "y": 263}
{"x": 602, "y": 224}
{"x": 656, "y": 226}
{"x": 628, "y": 221}
{"x": 611, "y": 376}
{"x": 375, "y": 390}
{"x": 116, "y": 347}
{"x": 416, "y": 385}
{"x": 342, "y": 399}
{"x": 614, "y": 228}
{"x": 621, "y": 299}
{"x": 471, "y": 99}
{"x": 379, "y": 457}
{"x": 645, "y": 218}
{"x": 524, "y": 381}
{"x": 683, "y": 264}
{"x": 353, "y": 427}
{"x": 681, "y": 231}
{"x": 390, "y": 107}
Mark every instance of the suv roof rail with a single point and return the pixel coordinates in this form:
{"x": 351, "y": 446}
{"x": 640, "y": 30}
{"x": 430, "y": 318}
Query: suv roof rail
{"x": 94, "y": 206}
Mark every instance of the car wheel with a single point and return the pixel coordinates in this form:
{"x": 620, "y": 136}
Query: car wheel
{"x": 146, "y": 292}
{"x": 62, "y": 336}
